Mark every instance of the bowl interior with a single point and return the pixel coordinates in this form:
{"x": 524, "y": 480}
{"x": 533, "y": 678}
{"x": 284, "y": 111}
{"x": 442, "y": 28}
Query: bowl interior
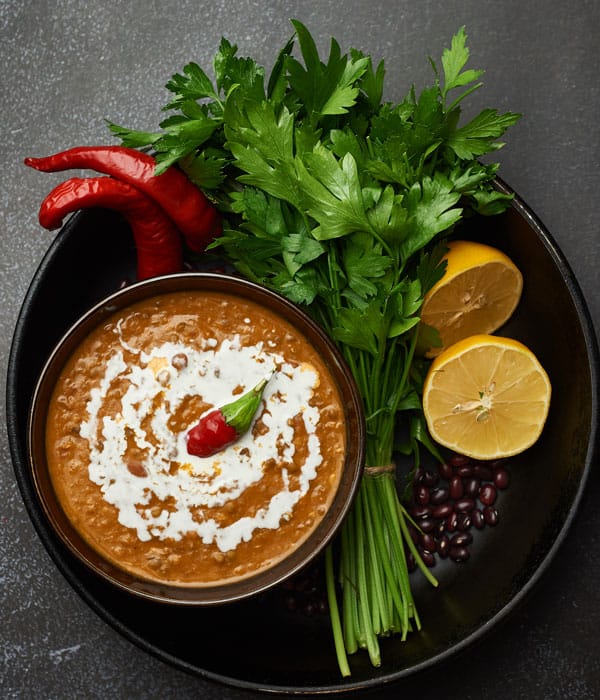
{"x": 258, "y": 643}
{"x": 235, "y": 589}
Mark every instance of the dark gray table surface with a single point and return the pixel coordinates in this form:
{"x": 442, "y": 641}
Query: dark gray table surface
{"x": 67, "y": 65}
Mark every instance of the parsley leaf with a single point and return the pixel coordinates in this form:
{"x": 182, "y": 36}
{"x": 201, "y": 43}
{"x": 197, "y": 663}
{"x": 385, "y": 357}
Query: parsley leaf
{"x": 333, "y": 194}
{"x": 359, "y": 329}
{"x": 363, "y": 262}
{"x": 133, "y": 138}
{"x": 431, "y": 210}
{"x": 193, "y": 85}
{"x": 204, "y": 168}
{"x": 324, "y": 89}
{"x": 478, "y": 136}
{"x": 371, "y": 83}
{"x": 232, "y": 71}
{"x": 454, "y": 60}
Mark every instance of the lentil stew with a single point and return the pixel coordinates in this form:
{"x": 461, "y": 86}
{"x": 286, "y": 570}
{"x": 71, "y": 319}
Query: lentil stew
{"x": 115, "y": 439}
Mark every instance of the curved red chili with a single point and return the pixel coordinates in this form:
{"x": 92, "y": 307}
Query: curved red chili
{"x": 196, "y": 218}
{"x": 223, "y": 426}
{"x": 157, "y": 240}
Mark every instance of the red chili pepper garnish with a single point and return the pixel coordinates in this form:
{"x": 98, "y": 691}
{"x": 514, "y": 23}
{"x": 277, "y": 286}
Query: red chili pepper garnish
{"x": 223, "y": 426}
{"x": 157, "y": 240}
{"x": 196, "y": 218}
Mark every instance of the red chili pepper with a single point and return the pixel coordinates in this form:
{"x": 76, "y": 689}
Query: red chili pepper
{"x": 196, "y": 218}
{"x": 157, "y": 240}
{"x": 223, "y": 426}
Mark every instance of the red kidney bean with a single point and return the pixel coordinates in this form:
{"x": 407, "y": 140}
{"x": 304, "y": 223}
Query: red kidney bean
{"x": 459, "y": 460}
{"x": 456, "y": 487}
{"x": 487, "y": 494}
{"x": 477, "y": 519}
{"x": 482, "y": 472}
{"x": 501, "y": 478}
{"x": 464, "y": 505}
{"x": 428, "y": 558}
{"x": 427, "y": 541}
{"x": 459, "y": 553}
{"x": 427, "y": 524}
{"x": 420, "y": 511}
{"x": 461, "y": 539}
{"x": 452, "y": 522}
{"x": 471, "y": 487}
{"x": 441, "y": 528}
{"x": 465, "y": 470}
{"x": 414, "y": 534}
{"x": 429, "y": 478}
{"x": 445, "y": 471}
{"x": 443, "y": 546}
{"x": 490, "y": 515}
{"x": 422, "y": 495}
{"x": 323, "y": 606}
{"x": 310, "y": 607}
{"x": 439, "y": 495}
{"x": 463, "y": 522}
{"x": 442, "y": 511}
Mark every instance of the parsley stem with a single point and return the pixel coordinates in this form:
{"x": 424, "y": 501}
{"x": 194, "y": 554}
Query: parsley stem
{"x": 389, "y": 500}
{"x": 370, "y": 639}
{"x": 349, "y": 587}
{"x": 336, "y": 626}
{"x": 411, "y": 545}
{"x": 382, "y": 546}
{"x": 381, "y": 622}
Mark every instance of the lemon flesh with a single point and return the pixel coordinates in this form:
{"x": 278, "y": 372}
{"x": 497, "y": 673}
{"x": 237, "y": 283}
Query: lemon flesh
{"x": 478, "y": 293}
{"x": 486, "y": 397}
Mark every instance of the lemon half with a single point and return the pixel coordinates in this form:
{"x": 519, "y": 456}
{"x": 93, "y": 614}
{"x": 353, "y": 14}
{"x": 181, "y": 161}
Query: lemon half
{"x": 479, "y": 291}
{"x": 486, "y": 397}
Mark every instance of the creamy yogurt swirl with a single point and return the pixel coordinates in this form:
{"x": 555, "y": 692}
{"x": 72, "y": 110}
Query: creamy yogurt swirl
{"x": 154, "y": 390}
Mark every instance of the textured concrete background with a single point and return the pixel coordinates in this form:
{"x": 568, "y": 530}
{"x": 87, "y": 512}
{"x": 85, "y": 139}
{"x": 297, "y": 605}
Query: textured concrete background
{"x": 67, "y": 65}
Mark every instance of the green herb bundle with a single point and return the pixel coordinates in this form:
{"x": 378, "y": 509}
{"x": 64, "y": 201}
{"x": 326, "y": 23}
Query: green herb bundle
{"x": 341, "y": 202}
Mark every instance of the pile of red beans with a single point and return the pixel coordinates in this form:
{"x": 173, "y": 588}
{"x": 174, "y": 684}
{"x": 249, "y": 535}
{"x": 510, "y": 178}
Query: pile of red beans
{"x": 449, "y": 502}
{"x": 305, "y": 592}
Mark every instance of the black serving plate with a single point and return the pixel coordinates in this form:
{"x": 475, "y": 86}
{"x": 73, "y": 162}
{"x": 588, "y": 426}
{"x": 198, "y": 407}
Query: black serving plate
{"x": 257, "y": 643}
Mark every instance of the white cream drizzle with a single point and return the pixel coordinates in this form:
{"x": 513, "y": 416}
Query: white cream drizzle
{"x": 156, "y": 388}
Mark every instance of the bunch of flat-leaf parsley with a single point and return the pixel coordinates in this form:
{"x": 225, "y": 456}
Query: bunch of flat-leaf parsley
{"x": 338, "y": 201}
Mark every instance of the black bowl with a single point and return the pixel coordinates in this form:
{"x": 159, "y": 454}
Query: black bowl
{"x": 257, "y": 643}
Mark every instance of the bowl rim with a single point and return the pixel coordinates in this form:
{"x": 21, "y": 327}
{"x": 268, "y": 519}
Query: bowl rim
{"x": 237, "y": 589}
